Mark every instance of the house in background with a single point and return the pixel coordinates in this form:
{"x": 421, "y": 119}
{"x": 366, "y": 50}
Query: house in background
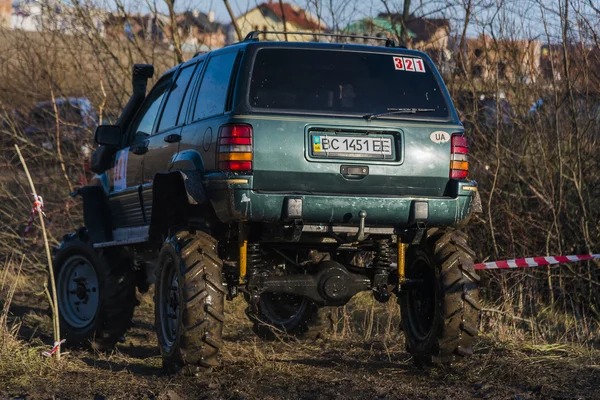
{"x": 584, "y": 64}
{"x": 5, "y": 13}
{"x": 55, "y": 16}
{"x": 130, "y": 26}
{"x": 428, "y": 34}
{"x": 515, "y": 60}
{"x": 270, "y": 16}
{"x": 377, "y": 27}
{"x": 30, "y": 15}
{"x": 199, "y": 32}
{"x": 551, "y": 62}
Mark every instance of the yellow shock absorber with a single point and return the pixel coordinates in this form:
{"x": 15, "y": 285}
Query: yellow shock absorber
{"x": 243, "y": 245}
{"x": 401, "y": 259}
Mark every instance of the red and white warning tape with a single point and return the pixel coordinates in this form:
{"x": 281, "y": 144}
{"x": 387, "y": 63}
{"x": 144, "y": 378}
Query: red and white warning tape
{"x": 534, "y": 261}
{"x": 54, "y": 348}
{"x": 38, "y": 204}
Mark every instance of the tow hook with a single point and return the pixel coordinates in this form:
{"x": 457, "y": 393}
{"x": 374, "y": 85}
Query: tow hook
{"x": 360, "y": 236}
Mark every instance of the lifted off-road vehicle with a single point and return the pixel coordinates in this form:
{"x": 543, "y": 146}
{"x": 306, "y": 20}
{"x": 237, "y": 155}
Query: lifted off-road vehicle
{"x": 295, "y": 174}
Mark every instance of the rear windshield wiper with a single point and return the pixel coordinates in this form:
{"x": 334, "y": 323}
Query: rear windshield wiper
{"x": 391, "y": 111}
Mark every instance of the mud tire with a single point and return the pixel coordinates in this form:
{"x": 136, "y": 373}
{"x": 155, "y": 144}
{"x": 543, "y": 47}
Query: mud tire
{"x": 269, "y": 323}
{"x": 441, "y": 330}
{"x": 116, "y": 299}
{"x": 192, "y": 342}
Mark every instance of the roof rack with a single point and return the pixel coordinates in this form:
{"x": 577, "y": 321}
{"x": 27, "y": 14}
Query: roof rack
{"x": 253, "y": 36}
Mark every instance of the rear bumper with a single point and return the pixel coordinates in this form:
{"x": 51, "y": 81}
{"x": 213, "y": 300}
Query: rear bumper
{"x": 234, "y": 200}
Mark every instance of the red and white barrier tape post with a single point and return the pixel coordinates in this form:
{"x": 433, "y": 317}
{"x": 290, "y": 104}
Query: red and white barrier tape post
{"x": 54, "y": 349}
{"x": 535, "y": 261}
{"x": 36, "y": 208}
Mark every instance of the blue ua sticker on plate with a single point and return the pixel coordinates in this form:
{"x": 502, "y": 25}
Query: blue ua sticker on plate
{"x": 316, "y": 143}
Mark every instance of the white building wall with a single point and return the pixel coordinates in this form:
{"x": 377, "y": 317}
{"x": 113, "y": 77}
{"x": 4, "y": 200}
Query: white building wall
{"x": 27, "y": 17}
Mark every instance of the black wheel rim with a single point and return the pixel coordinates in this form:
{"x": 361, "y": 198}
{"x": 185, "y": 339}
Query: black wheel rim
{"x": 421, "y": 300}
{"x": 282, "y": 309}
{"x": 169, "y": 304}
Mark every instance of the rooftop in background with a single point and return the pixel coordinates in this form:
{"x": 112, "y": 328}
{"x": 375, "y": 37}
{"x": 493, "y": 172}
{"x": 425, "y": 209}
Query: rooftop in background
{"x": 195, "y": 18}
{"x": 374, "y": 26}
{"x": 293, "y": 15}
{"x": 423, "y": 28}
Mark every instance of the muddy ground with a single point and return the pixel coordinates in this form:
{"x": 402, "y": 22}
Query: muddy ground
{"x": 347, "y": 365}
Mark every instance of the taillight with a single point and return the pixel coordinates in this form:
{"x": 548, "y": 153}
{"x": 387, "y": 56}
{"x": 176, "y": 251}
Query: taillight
{"x": 459, "y": 157}
{"x": 235, "y": 148}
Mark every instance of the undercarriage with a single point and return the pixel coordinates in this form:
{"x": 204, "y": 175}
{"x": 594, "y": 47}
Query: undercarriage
{"x": 429, "y": 272}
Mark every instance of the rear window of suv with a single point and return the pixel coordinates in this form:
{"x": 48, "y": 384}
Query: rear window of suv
{"x": 344, "y": 82}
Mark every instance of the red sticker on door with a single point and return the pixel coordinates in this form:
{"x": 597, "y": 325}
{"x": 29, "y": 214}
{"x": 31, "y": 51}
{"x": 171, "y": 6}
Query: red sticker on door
{"x": 398, "y": 63}
{"x": 120, "y": 170}
{"x": 409, "y": 64}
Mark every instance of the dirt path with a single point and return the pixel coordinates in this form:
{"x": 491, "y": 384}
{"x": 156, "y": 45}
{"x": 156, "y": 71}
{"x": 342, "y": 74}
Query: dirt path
{"x": 320, "y": 367}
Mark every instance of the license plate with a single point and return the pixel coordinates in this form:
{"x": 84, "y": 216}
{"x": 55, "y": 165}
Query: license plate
{"x": 352, "y": 146}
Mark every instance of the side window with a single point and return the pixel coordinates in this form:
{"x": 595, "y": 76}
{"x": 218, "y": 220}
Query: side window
{"x": 214, "y": 86}
{"x": 188, "y": 97}
{"x": 141, "y": 127}
{"x": 177, "y": 93}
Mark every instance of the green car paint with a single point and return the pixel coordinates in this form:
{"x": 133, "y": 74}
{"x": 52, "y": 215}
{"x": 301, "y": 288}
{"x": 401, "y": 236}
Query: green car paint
{"x": 285, "y": 165}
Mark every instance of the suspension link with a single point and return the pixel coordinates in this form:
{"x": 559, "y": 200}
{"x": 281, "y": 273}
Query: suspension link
{"x": 382, "y": 264}
{"x": 254, "y": 259}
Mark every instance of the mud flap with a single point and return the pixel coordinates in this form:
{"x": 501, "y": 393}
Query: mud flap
{"x": 172, "y": 195}
{"x": 97, "y": 216}
{"x": 191, "y": 181}
{"x": 476, "y": 207}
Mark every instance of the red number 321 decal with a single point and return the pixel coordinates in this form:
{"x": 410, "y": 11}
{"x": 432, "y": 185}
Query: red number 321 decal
{"x": 409, "y": 64}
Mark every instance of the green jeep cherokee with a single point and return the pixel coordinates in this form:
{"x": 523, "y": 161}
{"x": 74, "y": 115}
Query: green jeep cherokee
{"x": 296, "y": 173}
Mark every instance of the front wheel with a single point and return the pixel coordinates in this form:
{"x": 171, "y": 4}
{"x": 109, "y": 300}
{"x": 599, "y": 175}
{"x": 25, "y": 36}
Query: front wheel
{"x": 189, "y": 303}
{"x": 440, "y": 313}
{"x": 95, "y": 292}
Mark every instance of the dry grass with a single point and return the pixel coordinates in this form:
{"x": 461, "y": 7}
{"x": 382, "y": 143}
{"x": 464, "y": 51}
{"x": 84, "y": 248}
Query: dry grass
{"x": 342, "y": 359}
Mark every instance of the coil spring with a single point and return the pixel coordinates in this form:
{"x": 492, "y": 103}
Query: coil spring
{"x": 254, "y": 258}
{"x": 383, "y": 255}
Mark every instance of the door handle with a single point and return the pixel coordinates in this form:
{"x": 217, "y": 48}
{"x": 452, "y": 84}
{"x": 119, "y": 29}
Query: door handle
{"x": 173, "y": 138}
{"x": 139, "y": 150}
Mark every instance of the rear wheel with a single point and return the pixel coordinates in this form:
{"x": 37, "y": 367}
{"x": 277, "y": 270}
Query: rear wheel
{"x": 95, "y": 292}
{"x": 189, "y": 303}
{"x": 440, "y": 315}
